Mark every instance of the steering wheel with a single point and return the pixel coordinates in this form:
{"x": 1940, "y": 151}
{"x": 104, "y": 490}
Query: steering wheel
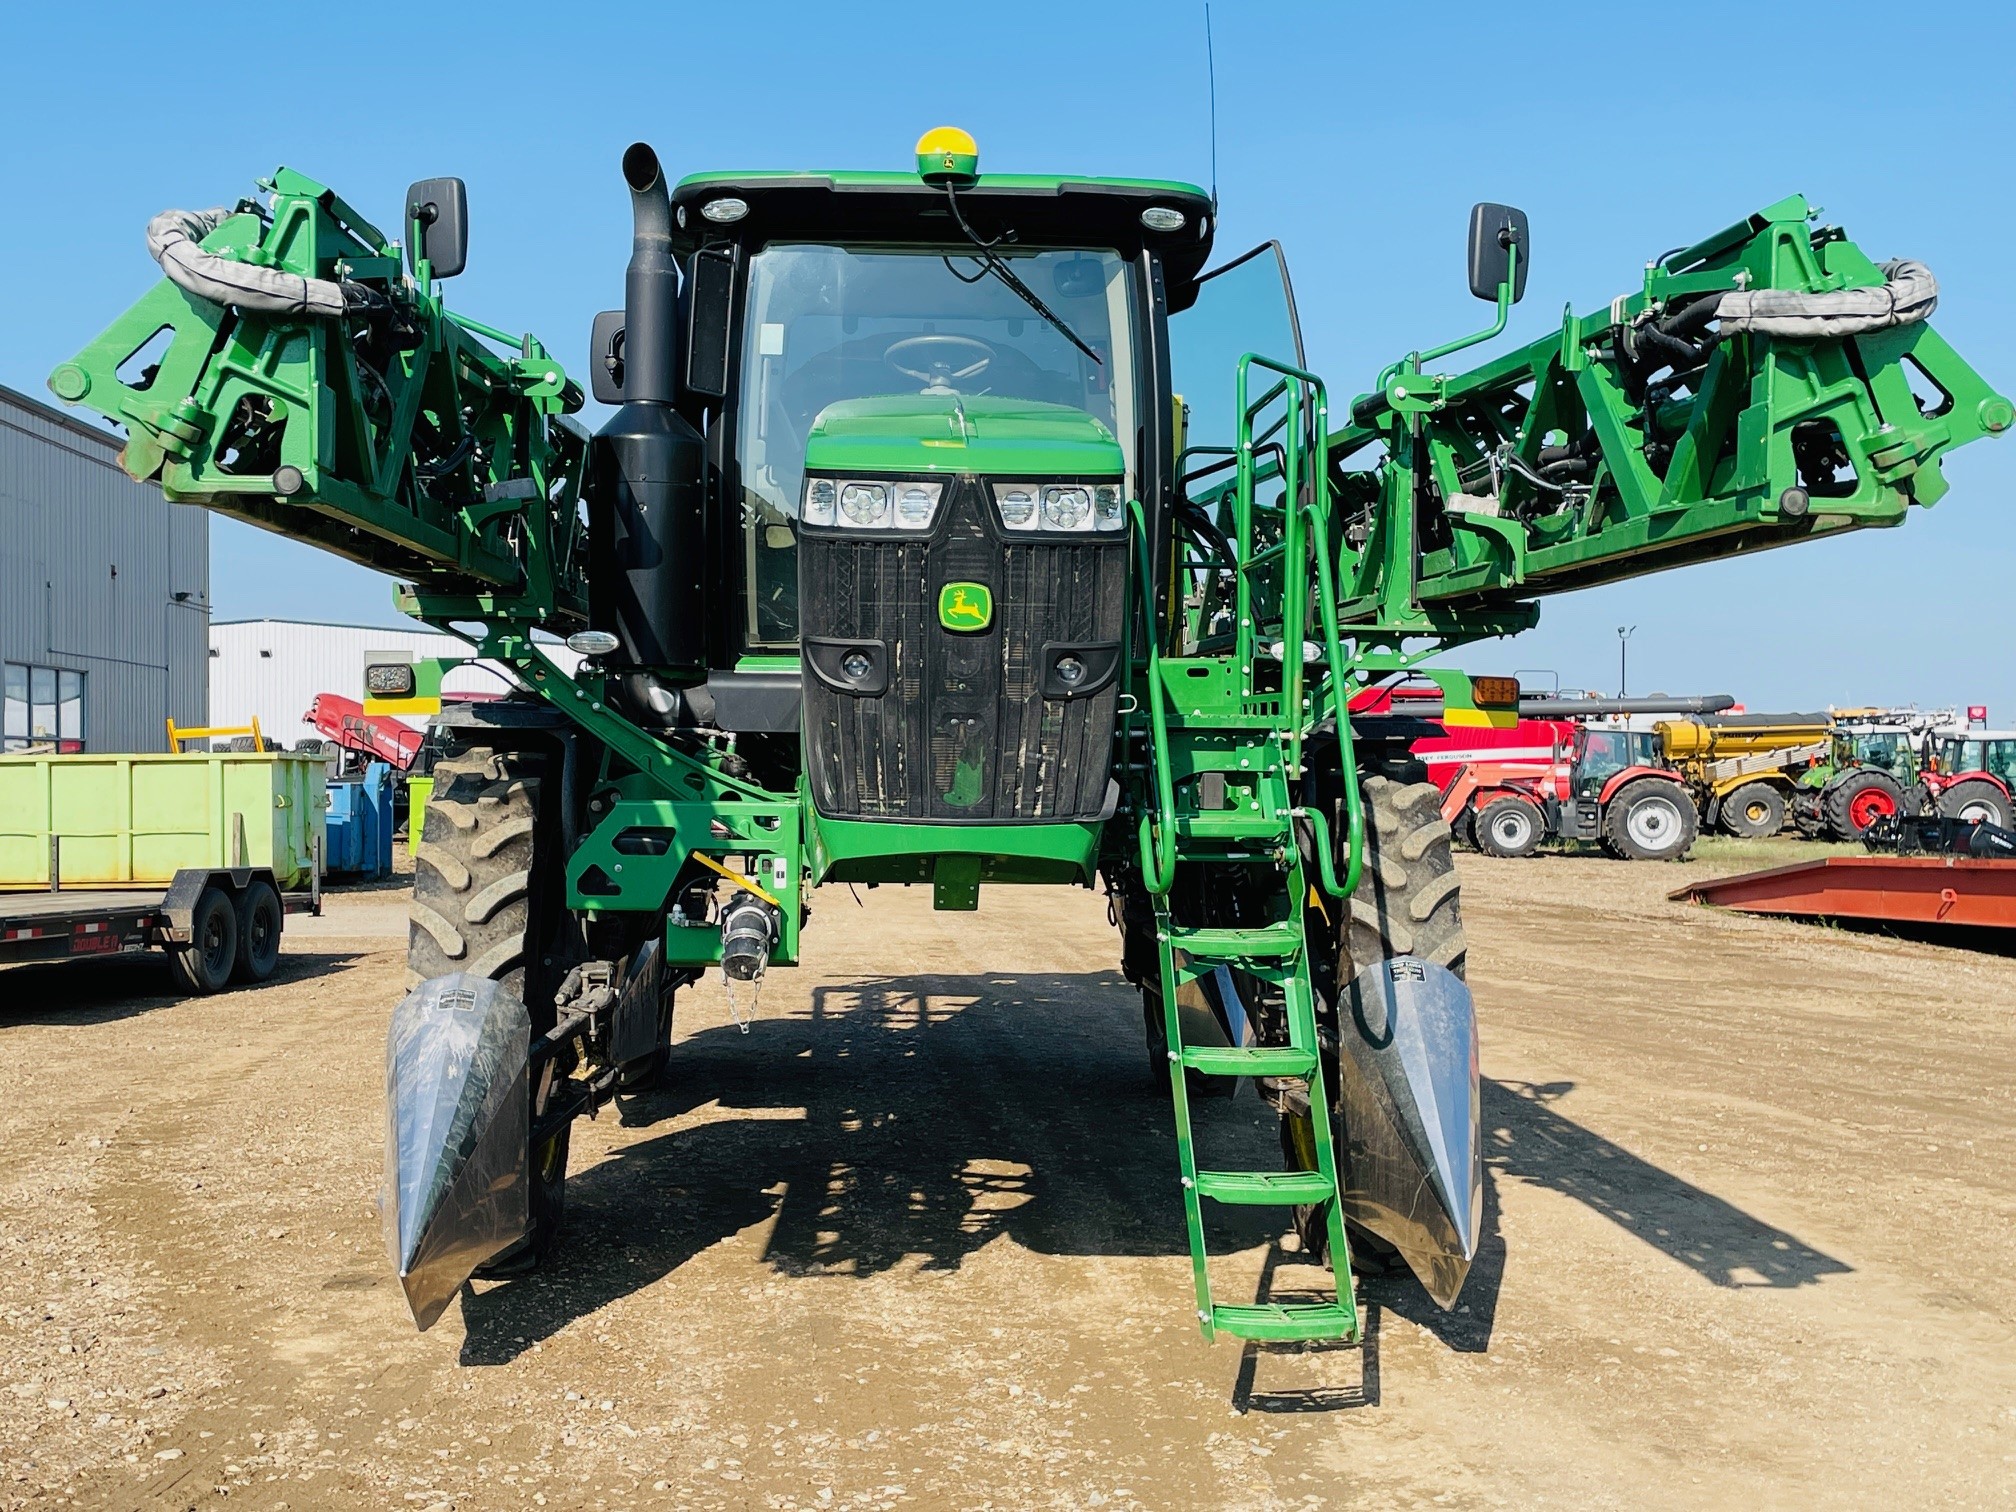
{"x": 940, "y": 356}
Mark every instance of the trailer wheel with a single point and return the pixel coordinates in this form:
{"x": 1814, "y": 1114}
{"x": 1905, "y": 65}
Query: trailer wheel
{"x": 1650, "y": 819}
{"x": 205, "y": 964}
{"x": 259, "y": 922}
{"x": 472, "y": 911}
{"x": 1754, "y": 811}
{"x": 1409, "y": 902}
{"x": 1982, "y": 802}
{"x": 1857, "y": 799}
{"x": 1508, "y": 826}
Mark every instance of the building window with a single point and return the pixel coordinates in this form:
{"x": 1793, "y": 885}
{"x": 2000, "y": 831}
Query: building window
{"x": 41, "y": 708}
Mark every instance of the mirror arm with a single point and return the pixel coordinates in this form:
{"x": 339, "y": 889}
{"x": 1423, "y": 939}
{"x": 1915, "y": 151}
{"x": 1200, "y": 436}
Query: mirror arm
{"x": 1505, "y": 288}
{"x": 423, "y": 270}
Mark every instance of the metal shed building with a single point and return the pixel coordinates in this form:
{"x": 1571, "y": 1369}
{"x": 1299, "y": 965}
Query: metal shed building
{"x": 104, "y": 592}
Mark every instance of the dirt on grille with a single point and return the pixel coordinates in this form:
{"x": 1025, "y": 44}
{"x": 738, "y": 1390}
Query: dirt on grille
{"x": 915, "y": 1239}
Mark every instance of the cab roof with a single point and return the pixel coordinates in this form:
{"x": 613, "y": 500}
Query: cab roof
{"x": 1039, "y": 209}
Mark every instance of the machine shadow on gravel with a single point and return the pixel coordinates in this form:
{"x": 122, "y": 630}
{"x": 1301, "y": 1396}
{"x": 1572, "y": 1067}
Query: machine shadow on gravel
{"x": 80, "y": 993}
{"x": 1527, "y": 1140}
{"x": 909, "y": 1121}
{"x": 937, "y": 1113}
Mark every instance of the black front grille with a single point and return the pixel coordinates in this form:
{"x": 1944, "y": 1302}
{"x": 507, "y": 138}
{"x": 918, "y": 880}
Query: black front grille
{"x": 958, "y": 727}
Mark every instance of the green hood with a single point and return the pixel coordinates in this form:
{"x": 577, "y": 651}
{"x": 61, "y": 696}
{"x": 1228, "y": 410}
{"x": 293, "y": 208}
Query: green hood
{"x": 924, "y": 433}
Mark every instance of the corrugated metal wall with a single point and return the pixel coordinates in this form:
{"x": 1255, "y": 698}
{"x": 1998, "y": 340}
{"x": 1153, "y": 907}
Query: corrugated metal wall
{"x": 100, "y": 575}
{"x": 272, "y": 669}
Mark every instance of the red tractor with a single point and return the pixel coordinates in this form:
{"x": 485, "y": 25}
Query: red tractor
{"x": 1604, "y": 783}
{"x": 1968, "y": 774}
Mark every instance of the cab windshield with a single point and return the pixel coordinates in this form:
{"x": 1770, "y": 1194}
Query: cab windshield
{"x": 827, "y": 323}
{"x": 1995, "y": 757}
{"x": 1605, "y": 753}
{"x": 1888, "y": 751}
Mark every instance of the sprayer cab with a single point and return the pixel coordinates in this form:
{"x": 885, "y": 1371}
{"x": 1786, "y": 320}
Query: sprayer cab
{"x": 945, "y": 380}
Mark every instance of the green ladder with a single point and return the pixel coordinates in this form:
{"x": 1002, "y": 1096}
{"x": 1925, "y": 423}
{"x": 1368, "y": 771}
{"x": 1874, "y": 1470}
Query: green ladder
{"x": 1257, "y": 827}
{"x": 1216, "y": 756}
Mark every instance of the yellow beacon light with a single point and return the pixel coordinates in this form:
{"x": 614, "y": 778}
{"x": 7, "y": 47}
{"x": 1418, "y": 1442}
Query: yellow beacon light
{"x": 947, "y": 155}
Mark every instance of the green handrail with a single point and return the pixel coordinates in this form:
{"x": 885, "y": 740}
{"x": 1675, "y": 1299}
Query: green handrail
{"x": 1158, "y": 843}
{"x": 1306, "y": 533}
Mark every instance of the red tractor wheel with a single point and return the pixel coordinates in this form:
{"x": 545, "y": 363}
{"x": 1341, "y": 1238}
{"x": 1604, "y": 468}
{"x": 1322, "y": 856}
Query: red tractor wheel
{"x": 1859, "y": 799}
{"x": 1509, "y": 826}
{"x": 1649, "y": 819}
{"x": 1978, "y": 800}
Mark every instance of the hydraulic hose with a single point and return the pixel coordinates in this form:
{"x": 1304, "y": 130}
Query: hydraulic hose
{"x": 174, "y": 240}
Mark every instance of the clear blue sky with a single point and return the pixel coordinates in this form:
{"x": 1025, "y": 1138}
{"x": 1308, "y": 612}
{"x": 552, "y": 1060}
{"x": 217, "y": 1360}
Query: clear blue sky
{"x": 1357, "y": 135}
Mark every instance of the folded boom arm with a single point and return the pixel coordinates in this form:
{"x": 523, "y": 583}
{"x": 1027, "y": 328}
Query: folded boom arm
{"x": 338, "y": 400}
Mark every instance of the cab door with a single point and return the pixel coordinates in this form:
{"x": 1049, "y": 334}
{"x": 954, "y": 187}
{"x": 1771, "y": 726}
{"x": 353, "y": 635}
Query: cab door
{"x": 1244, "y": 305}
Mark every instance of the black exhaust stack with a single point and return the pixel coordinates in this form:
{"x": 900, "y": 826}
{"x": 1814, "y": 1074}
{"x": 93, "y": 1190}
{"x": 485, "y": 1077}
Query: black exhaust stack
{"x": 646, "y": 500}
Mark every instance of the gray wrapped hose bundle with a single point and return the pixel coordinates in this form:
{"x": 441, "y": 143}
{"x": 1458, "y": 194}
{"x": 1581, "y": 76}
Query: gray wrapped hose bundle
{"x": 1908, "y": 293}
{"x": 174, "y": 240}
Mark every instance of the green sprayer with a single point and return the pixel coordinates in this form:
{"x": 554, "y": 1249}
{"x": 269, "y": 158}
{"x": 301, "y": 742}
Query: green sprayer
{"x": 977, "y": 530}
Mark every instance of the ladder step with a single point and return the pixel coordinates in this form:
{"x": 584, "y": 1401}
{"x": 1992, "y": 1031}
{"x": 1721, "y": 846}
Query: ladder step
{"x": 1276, "y": 1320}
{"x": 1266, "y": 1188}
{"x": 1248, "y": 1060}
{"x": 1266, "y": 942}
{"x": 1230, "y": 824}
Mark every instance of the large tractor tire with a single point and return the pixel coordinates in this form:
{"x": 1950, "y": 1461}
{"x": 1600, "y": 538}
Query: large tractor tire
{"x": 1409, "y": 902}
{"x": 1754, "y": 811}
{"x": 1855, "y": 800}
{"x": 1978, "y": 800}
{"x": 1508, "y": 826}
{"x": 476, "y": 879}
{"x": 1650, "y": 819}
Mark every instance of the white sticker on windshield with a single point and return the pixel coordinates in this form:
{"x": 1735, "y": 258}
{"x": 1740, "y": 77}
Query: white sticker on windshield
{"x": 770, "y": 339}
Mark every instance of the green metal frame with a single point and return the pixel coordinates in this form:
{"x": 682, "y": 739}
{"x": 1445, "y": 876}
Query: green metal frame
{"x": 280, "y": 421}
{"x": 1692, "y": 476}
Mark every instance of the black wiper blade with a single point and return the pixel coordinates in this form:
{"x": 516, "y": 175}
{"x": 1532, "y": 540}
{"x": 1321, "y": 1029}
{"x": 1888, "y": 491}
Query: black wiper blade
{"x": 992, "y": 264}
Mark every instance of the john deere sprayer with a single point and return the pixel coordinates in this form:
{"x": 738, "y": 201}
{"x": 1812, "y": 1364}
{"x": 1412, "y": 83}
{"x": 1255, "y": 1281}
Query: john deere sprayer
{"x": 972, "y": 531}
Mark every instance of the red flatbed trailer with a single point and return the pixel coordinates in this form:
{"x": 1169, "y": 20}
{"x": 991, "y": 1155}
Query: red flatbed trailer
{"x": 1948, "y": 890}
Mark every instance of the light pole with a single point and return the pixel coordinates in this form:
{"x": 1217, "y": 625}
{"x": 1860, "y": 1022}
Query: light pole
{"x": 1624, "y": 633}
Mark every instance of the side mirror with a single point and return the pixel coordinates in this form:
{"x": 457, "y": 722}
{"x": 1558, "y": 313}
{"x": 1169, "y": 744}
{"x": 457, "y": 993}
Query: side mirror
{"x": 438, "y": 210}
{"x": 605, "y": 357}
{"x": 1494, "y": 231}
{"x": 710, "y": 292}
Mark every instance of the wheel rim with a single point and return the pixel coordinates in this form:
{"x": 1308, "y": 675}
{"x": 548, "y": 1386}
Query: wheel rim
{"x": 259, "y": 934}
{"x": 1511, "y": 829}
{"x": 215, "y": 952}
{"x": 1651, "y": 823}
{"x": 1869, "y": 805}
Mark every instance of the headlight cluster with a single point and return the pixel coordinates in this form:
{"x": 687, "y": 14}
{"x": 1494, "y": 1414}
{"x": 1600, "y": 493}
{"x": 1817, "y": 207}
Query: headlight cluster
{"x": 906, "y": 504}
{"x": 868, "y": 505}
{"x": 1060, "y": 506}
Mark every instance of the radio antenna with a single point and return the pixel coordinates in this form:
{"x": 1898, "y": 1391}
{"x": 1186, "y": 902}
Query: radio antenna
{"x": 1211, "y": 75}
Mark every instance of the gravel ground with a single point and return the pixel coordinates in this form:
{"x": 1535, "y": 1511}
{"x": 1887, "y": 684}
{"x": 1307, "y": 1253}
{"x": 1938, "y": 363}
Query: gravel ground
{"x": 915, "y": 1239}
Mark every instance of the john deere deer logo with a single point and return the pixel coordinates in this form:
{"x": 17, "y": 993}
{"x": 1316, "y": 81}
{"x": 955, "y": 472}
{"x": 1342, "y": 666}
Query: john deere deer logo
{"x": 965, "y": 606}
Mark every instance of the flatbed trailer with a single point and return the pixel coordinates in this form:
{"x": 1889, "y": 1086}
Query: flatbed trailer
{"x": 1944, "y": 890}
{"x": 218, "y": 926}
